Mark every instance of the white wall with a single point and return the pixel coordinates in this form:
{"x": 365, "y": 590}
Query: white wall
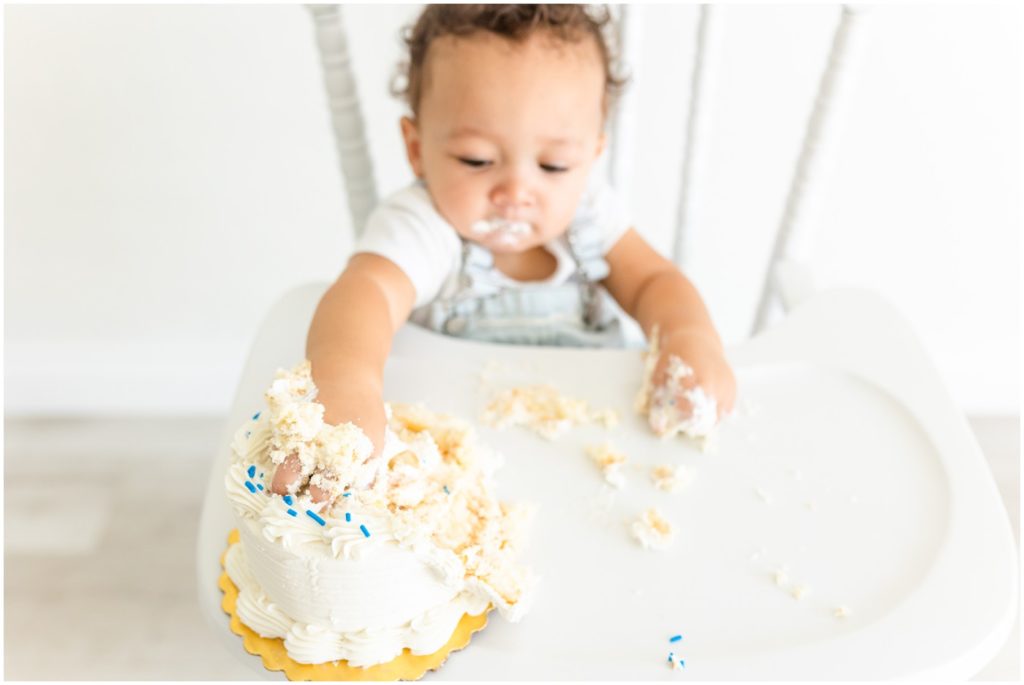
{"x": 169, "y": 171}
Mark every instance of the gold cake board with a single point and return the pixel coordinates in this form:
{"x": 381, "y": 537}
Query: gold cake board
{"x": 406, "y": 666}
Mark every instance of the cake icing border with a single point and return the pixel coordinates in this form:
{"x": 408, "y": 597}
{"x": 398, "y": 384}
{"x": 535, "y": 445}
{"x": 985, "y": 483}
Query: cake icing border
{"x": 406, "y": 666}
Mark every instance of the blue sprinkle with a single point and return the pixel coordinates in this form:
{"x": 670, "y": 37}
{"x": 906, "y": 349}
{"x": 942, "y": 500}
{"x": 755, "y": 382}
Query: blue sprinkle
{"x": 251, "y": 471}
{"x": 675, "y": 638}
{"x": 312, "y": 514}
{"x": 255, "y": 416}
{"x": 446, "y": 490}
{"x": 252, "y": 488}
{"x": 288, "y": 499}
{"x": 363, "y": 528}
{"x": 292, "y": 512}
{"x": 347, "y": 494}
{"x": 671, "y": 657}
{"x": 261, "y": 474}
{"x": 260, "y": 487}
{"x": 348, "y": 516}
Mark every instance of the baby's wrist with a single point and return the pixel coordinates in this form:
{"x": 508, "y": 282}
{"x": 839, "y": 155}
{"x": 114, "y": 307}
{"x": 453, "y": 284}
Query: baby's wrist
{"x": 690, "y": 336}
{"x": 347, "y": 374}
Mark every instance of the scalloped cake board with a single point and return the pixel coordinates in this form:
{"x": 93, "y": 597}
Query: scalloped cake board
{"x": 272, "y": 652}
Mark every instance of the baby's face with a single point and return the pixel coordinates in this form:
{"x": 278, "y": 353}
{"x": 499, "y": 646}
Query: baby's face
{"x": 507, "y": 134}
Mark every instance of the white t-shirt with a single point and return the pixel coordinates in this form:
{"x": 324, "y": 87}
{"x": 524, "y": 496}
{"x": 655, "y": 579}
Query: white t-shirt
{"x": 407, "y": 229}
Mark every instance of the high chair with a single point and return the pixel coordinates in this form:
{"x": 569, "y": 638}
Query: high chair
{"x": 846, "y": 525}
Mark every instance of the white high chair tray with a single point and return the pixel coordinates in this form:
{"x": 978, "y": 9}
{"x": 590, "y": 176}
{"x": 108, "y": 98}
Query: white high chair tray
{"x": 846, "y": 465}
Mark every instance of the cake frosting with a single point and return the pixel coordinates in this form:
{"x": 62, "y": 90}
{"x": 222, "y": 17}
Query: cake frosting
{"x": 695, "y": 416}
{"x": 365, "y": 555}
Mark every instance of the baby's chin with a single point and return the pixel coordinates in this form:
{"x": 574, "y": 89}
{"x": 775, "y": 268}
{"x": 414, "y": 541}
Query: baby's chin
{"x": 499, "y": 247}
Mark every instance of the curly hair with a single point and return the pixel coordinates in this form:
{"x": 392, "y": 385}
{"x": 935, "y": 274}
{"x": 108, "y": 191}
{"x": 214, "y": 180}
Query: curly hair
{"x": 568, "y": 23}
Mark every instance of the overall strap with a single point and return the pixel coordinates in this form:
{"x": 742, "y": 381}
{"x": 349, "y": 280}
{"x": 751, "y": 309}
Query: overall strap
{"x": 474, "y": 270}
{"x": 587, "y": 248}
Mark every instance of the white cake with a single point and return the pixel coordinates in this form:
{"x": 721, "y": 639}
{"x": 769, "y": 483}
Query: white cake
{"x": 406, "y": 544}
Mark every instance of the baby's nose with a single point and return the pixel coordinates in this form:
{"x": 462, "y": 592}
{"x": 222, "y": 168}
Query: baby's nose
{"x": 512, "y": 195}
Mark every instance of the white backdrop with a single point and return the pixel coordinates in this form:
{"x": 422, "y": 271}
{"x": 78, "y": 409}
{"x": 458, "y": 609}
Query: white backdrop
{"x": 169, "y": 172}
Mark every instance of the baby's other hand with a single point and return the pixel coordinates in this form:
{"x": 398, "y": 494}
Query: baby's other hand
{"x": 344, "y": 400}
{"x": 710, "y": 371}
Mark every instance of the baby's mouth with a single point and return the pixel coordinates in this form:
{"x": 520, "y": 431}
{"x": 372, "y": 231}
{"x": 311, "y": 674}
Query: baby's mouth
{"x": 504, "y": 231}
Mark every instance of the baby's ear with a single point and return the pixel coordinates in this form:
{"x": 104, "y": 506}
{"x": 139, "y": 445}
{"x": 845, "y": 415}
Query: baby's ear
{"x": 411, "y": 135}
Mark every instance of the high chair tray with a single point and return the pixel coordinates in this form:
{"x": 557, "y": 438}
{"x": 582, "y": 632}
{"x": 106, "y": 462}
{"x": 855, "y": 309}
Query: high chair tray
{"x": 847, "y": 476}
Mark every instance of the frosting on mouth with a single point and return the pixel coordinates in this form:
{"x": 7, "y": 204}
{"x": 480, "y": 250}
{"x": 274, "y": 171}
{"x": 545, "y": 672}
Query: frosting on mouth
{"x": 508, "y": 232}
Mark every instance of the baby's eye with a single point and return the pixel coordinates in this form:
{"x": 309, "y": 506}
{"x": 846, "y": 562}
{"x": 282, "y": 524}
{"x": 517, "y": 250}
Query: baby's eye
{"x": 554, "y": 168}
{"x": 475, "y": 163}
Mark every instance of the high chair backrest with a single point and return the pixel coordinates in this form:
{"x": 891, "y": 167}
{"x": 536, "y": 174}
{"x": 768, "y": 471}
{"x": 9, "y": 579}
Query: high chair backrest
{"x": 787, "y": 277}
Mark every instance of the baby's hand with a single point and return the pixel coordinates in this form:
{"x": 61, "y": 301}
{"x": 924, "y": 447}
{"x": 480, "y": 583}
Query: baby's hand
{"x": 343, "y": 400}
{"x": 690, "y": 369}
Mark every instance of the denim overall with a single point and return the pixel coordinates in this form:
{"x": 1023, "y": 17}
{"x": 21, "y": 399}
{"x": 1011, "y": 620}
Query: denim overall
{"x": 575, "y": 313}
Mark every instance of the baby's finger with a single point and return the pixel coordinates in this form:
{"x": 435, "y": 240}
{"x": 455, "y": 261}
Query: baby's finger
{"x": 287, "y": 474}
{"x": 318, "y": 494}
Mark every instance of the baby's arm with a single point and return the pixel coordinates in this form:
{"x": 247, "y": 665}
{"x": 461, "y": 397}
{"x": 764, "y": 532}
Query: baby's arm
{"x": 654, "y": 292}
{"x": 348, "y": 344}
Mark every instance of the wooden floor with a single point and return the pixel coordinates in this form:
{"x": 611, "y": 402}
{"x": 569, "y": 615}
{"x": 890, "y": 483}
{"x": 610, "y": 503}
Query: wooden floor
{"x": 100, "y": 529}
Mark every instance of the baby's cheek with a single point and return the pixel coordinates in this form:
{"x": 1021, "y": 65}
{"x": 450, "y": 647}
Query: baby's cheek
{"x": 458, "y": 208}
{"x": 558, "y": 222}
{"x": 562, "y": 206}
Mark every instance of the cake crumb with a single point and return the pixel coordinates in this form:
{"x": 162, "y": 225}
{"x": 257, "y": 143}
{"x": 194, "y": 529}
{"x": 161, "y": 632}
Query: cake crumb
{"x": 610, "y": 462}
{"x": 544, "y": 410}
{"x": 799, "y": 592}
{"x": 607, "y": 418}
{"x": 781, "y": 578}
{"x": 672, "y": 478}
{"x": 841, "y": 611}
{"x": 652, "y": 530}
{"x": 709, "y": 443}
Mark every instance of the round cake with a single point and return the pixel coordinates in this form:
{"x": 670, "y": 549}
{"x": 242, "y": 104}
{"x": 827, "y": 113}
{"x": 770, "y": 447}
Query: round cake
{"x": 367, "y": 558}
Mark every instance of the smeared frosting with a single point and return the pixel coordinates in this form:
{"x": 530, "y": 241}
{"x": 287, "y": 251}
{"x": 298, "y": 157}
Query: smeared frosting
{"x": 506, "y": 232}
{"x": 696, "y": 416}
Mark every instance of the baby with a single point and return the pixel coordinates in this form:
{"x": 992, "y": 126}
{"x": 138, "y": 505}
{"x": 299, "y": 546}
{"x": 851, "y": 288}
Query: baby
{"x": 508, "y": 234}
